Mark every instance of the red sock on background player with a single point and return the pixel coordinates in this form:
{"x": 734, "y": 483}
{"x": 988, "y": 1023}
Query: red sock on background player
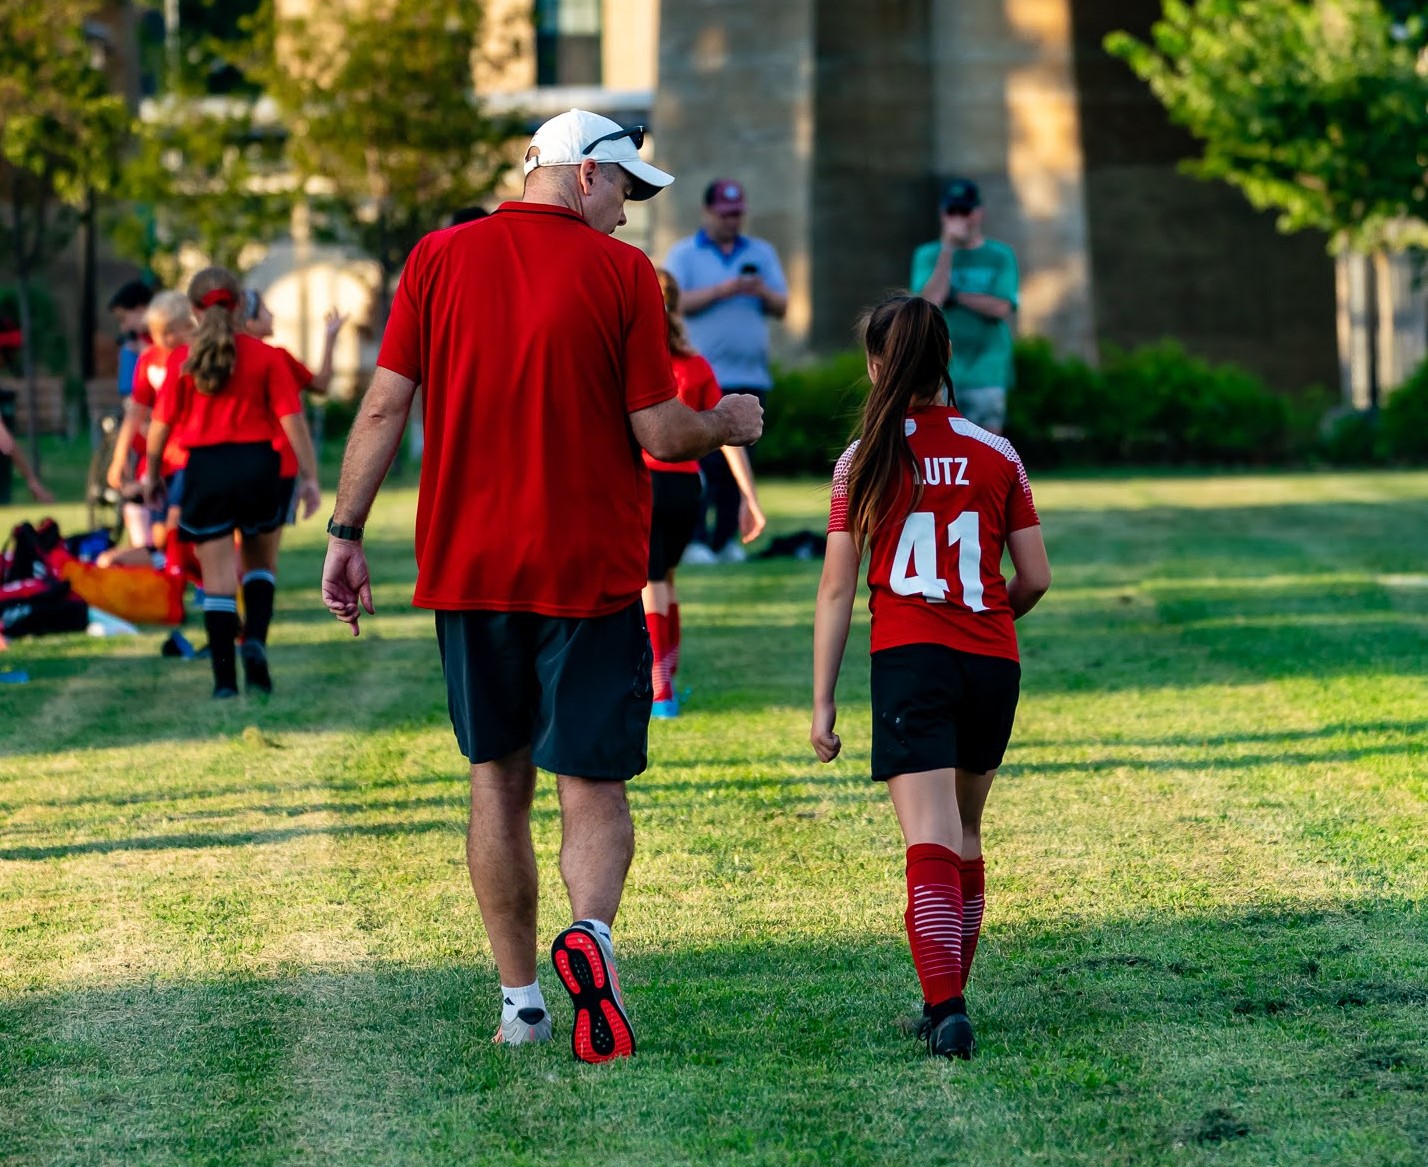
{"x": 672, "y": 622}
{"x": 659, "y": 649}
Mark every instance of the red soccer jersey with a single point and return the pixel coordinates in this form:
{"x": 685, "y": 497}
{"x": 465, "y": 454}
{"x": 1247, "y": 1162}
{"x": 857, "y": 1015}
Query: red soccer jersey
{"x": 261, "y": 390}
{"x": 534, "y": 338}
{"x": 936, "y": 574}
{"x": 287, "y": 457}
{"x": 698, "y": 389}
{"x": 148, "y": 380}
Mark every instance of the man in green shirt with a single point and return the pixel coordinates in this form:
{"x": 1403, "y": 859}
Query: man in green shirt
{"x": 973, "y": 280}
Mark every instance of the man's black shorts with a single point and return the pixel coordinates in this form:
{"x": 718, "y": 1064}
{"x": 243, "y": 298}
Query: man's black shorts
{"x": 674, "y": 515}
{"x": 231, "y": 487}
{"x": 935, "y": 707}
{"x": 576, "y": 690}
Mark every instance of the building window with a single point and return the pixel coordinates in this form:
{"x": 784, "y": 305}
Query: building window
{"x": 568, "y": 42}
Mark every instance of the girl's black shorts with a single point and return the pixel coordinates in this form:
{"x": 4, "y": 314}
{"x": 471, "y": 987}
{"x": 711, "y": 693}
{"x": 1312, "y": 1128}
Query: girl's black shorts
{"x": 231, "y": 487}
{"x": 673, "y": 517}
{"x": 935, "y": 707}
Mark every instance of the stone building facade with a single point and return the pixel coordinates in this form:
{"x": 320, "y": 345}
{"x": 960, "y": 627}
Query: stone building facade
{"x": 845, "y": 118}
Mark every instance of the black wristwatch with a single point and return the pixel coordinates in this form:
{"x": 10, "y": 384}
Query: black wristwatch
{"x": 343, "y": 531}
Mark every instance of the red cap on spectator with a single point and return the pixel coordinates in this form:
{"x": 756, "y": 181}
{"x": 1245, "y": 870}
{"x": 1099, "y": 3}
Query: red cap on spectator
{"x": 724, "y": 196}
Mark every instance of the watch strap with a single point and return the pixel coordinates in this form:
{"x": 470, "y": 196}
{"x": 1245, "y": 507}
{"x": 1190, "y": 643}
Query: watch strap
{"x": 343, "y": 531}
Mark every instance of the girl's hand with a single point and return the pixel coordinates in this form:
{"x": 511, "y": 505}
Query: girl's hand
{"x": 153, "y": 492}
{"x": 310, "y": 497}
{"x": 115, "y": 477}
{"x": 751, "y": 520}
{"x": 826, "y": 744}
{"x": 334, "y": 320}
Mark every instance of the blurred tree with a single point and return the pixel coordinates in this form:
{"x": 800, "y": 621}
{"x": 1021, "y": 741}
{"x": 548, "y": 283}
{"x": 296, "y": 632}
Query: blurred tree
{"x": 384, "y": 123}
{"x": 61, "y": 135}
{"x": 206, "y": 170}
{"x": 204, "y": 174}
{"x": 1316, "y": 109}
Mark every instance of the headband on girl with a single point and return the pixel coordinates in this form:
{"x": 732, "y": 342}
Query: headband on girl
{"x": 219, "y": 298}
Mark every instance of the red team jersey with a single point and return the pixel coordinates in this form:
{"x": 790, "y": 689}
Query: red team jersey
{"x": 533, "y": 337}
{"x": 148, "y": 380}
{"x": 936, "y": 575}
{"x": 287, "y": 458}
{"x": 698, "y": 389}
{"x": 261, "y": 390}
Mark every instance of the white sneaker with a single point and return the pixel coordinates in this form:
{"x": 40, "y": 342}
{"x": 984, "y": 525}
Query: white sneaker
{"x": 733, "y": 552}
{"x": 528, "y": 1025}
{"x": 698, "y": 555}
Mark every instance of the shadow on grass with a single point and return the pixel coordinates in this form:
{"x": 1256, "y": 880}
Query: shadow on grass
{"x": 1134, "y": 1032}
{"x": 1253, "y": 629}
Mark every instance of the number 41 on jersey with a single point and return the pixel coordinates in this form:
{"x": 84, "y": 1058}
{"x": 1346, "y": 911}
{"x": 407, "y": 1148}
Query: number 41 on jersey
{"x": 914, "y": 569}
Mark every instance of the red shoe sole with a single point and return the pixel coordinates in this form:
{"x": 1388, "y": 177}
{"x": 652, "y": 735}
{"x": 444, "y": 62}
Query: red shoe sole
{"x": 601, "y": 1032}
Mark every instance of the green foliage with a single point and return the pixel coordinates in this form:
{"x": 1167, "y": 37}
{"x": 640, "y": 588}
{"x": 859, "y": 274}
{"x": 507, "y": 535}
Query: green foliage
{"x": 1405, "y": 419}
{"x": 812, "y": 414}
{"x": 383, "y": 121}
{"x": 205, "y": 175}
{"x": 60, "y": 127}
{"x": 1155, "y": 404}
{"x": 1318, "y": 111}
{"x": 1351, "y": 438}
{"x": 51, "y": 348}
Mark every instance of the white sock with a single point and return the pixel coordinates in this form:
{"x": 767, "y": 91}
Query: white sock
{"x": 524, "y": 997}
{"x": 600, "y": 928}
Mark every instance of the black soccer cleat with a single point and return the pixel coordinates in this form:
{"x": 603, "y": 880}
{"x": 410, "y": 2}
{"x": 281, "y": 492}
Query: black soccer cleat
{"x": 223, "y": 693}
{"x": 256, "y": 678}
{"x": 952, "y": 1037}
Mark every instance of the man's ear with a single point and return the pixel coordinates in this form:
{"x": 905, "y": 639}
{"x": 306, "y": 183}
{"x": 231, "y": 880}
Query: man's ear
{"x": 589, "y": 170}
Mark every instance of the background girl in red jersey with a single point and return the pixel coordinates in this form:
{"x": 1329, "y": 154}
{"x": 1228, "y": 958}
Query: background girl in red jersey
{"x": 676, "y": 489}
{"x": 934, "y": 500}
{"x": 170, "y": 323}
{"x": 258, "y": 322}
{"x": 224, "y": 397}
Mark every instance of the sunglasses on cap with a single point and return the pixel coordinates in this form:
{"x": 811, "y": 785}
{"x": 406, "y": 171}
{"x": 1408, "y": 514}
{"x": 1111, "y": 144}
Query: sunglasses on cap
{"x": 636, "y": 134}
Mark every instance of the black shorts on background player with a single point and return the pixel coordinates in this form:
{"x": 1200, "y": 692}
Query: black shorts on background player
{"x": 673, "y": 517}
{"x": 576, "y": 690}
{"x": 936, "y": 707}
{"x": 231, "y": 487}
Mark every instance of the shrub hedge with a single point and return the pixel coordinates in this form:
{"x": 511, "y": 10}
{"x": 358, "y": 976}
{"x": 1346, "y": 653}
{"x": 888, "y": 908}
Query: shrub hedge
{"x": 1154, "y": 405}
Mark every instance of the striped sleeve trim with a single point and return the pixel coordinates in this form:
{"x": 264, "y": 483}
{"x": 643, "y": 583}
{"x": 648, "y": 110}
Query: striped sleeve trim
{"x": 838, "y": 504}
{"x": 1003, "y": 447}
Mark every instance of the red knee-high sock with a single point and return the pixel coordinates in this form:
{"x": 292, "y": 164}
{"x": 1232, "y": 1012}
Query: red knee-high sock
{"x": 974, "y": 899}
{"x": 659, "y": 649}
{"x": 934, "y": 920}
{"x": 672, "y": 622}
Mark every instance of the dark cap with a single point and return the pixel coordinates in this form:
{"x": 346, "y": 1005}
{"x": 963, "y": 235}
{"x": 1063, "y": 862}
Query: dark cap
{"x": 134, "y": 294}
{"x": 724, "y": 196}
{"x": 961, "y": 195}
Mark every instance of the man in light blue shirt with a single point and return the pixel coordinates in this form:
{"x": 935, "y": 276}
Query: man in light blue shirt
{"x": 730, "y": 284}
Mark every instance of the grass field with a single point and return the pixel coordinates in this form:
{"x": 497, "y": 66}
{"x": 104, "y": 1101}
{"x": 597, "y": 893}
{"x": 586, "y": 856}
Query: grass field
{"x": 242, "y": 933}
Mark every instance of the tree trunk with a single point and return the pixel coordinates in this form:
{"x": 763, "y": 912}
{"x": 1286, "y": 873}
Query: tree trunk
{"x": 27, "y": 331}
{"x": 1372, "y": 313}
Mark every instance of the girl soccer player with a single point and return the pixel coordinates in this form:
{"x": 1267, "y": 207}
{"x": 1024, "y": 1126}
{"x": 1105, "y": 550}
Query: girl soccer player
{"x": 934, "y": 501}
{"x": 225, "y": 395}
{"x": 676, "y": 490}
{"x": 169, "y": 320}
{"x": 258, "y": 323}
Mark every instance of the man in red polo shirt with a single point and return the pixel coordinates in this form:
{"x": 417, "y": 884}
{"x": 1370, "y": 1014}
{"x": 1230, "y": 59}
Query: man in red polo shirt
{"x": 538, "y": 341}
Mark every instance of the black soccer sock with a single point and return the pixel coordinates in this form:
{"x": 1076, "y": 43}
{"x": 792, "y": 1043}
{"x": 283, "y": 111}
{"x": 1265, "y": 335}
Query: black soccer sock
{"x": 220, "y": 618}
{"x": 258, "y": 589}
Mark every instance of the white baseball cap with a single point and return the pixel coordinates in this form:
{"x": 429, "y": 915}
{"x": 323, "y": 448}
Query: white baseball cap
{"x": 570, "y": 138}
